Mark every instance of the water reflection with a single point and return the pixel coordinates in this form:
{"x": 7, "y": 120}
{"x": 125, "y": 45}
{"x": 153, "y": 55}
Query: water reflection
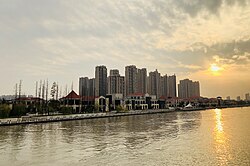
{"x": 221, "y": 141}
{"x": 219, "y": 125}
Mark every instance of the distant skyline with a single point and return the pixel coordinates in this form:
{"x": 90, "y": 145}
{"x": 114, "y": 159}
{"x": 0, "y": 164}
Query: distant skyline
{"x": 62, "y": 40}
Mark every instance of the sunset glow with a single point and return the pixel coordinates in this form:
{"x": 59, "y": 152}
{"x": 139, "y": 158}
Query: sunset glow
{"x": 215, "y": 68}
{"x": 192, "y": 39}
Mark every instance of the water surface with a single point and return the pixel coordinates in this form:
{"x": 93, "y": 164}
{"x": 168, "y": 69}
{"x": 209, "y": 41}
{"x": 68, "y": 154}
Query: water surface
{"x": 212, "y": 137}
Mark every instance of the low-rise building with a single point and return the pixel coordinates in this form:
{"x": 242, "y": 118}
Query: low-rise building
{"x": 72, "y": 100}
{"x": 140, "y": 101}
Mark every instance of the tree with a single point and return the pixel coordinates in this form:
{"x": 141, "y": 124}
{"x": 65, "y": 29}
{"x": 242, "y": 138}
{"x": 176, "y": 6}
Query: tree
{"x": 53, "y": 90}
{"x": 119, "y": 108}
{"x": 66, "y": 110}
{"x": 97, "y": 107}
{"x": 18, "y": 110}
{"x": 54, "y": 105}
{"x": 4, "y": 111}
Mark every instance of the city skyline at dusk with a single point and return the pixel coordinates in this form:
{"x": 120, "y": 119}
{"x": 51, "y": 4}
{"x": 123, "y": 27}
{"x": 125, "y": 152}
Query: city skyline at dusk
{"x": 62, "y": 41}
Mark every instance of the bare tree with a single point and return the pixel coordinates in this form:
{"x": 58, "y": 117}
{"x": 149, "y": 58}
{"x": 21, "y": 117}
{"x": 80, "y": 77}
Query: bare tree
{"x": 57, "y": 91}
{"x": 40, "y": 89}
{"x": 16, "y": 89}
{"x": 43, "y": 89}
{"x": 36, "y": 88}
{"x": 60, "y": 93}
{"x": 47, "y": 91}
{"x": 20, "y": 88}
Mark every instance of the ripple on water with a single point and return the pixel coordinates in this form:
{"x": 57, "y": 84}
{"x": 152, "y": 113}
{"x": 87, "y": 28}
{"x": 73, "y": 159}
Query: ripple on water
{"x": 215, "y": 137}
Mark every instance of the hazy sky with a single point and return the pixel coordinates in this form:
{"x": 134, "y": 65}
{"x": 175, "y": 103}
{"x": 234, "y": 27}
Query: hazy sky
{"x": 64, "y": 39}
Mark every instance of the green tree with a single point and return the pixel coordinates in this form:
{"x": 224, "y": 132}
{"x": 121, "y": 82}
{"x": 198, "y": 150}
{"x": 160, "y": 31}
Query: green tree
{"x": 119, "y": 108}
{"x": 18, "y": 110}
{"x": 97, "y": 107}
{"x": 4, "y": 111}
{"x": 66, "y": 110}
{"x": 54, "y": 105}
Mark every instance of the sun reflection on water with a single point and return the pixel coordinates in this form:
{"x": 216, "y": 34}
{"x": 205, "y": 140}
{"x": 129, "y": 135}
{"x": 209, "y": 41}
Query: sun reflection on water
{"x": 219, "y": 125}
{"x": 221, "y": 143}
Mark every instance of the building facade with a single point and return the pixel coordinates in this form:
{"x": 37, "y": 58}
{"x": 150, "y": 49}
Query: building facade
{"x": 141, "y": 86}
{"x": 116, "y": 84}
{"x": 154, "y": 80}
{"x": 164, "y": 90}
{"x": 86, "y": 86}
{"x": 187, "y": 89}
{"x": 247, "y": 97}
{"x": 83, "y": 86}
{"x": 100, "y": 81}
{"x": 130, "y": 79}
{"x": 92, "y": 87}
{"x": 171, "y": 85}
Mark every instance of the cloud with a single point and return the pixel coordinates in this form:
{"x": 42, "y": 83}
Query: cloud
{"x": 235, "y": 52}
{"x": 194, "y": 7}
{"x": 68, "y": 38}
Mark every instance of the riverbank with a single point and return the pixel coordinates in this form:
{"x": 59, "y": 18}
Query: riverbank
{"x": 58, "y": 118}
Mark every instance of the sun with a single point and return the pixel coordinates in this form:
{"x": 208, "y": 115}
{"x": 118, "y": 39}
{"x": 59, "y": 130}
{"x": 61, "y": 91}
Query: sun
{"x": 214, "y": 68}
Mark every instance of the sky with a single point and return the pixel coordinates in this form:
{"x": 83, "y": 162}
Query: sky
{"x": 62, "y": 40}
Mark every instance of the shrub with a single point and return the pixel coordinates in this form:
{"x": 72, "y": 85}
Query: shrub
{"x": 18, "y": 110}
{"x": 66, "y": 110}
{"x": 119, "y": 108}
{"x": 4, "y": 111}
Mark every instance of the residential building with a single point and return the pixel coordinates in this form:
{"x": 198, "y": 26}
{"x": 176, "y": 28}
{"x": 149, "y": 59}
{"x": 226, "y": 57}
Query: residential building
{"x": 171, "y": 85}
{"x": 86, "y": 86}
{"x": 139, "y": 101}
{"x": 100, "y": 81}
{"x": 196, "y": 90}
{"x": 130, "y": 79}
{"x": 141, "y": 86}
{"x": 83, "y": 86}
{"x": 187, "y": 89}
{"x": 114, "y": 72}
{"x": 247, "y": 97}
{"x": 154, "y": 80}
{"x": 164, "y": 86}
{"x": 92, "y": 87}
{"x": 116, "y": 83}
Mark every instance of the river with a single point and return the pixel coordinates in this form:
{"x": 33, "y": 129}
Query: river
{"x": 211, "y": 137}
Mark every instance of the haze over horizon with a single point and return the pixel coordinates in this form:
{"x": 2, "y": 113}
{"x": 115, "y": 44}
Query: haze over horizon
{"x": 62, "y": 40}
